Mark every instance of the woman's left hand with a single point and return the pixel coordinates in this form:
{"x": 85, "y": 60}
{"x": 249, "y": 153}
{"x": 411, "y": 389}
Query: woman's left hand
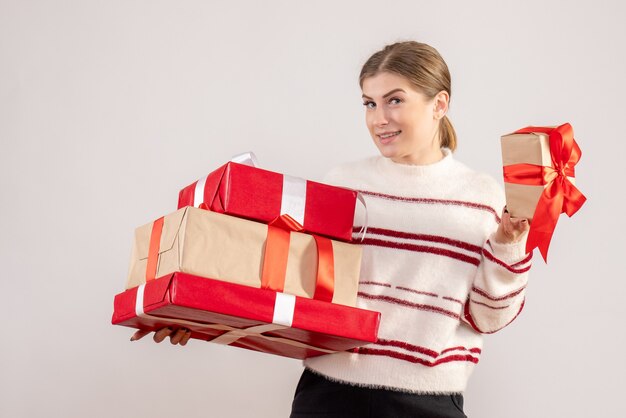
{"x": 511, "y": 229}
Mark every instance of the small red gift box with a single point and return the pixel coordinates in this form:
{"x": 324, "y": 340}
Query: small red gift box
{"x": 260, "y": 195}
{"x": 246, "y": 317}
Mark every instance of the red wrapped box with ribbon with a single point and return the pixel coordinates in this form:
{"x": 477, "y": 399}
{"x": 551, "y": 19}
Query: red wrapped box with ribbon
{"x": 538, "y": 165}
{"x": 276, "y": 256}
{"x": 249, "y": 192}
{"x": 242, "y": 316}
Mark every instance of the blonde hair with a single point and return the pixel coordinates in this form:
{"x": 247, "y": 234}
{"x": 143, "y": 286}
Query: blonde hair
{"x": 422, "y": 65}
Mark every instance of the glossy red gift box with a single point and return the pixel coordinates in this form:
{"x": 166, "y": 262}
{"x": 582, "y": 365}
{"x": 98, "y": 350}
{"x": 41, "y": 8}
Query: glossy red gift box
{"x": 246, "y": 317}
{"x": 261, "y": 195}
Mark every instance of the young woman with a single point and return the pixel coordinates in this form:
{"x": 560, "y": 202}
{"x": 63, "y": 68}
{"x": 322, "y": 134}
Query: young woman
{"x": 439, "y": 262}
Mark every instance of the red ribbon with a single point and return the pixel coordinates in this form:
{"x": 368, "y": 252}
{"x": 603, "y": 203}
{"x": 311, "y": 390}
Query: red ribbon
{"x": 277, "y": 252}
{"x": 153, "y": 250}
{"x": 559, "y": 194}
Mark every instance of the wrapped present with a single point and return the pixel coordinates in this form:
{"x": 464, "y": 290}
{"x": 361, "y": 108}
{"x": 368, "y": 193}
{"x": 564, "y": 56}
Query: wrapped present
{"x": 242, "y": 316}
{"x": 210, "y": 244}
{"x": 538, "y": 165}
{"x": 253, "y": 193}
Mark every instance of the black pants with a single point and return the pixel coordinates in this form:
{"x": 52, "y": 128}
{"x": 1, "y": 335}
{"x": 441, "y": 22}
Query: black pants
{"x": 317, "y": 396}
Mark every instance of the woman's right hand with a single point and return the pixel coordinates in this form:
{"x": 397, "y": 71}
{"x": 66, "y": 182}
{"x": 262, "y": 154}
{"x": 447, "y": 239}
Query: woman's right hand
{"x": 177, "y": 335}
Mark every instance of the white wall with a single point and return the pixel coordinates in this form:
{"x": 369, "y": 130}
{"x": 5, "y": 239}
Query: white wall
{"x": 108, "y": 108}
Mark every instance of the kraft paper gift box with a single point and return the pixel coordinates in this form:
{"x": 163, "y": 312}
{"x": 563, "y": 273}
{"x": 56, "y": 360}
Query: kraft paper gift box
{"x": 261, "y": 195}
{"x": 223, "y": 247}
{"x": 525, "y": 148}
{"x": 242, "y": 316}
{"x": 538, "y": 167}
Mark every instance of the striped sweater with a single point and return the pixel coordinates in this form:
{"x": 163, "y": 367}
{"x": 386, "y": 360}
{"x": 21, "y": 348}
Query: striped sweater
{"x": 431, "y": 266}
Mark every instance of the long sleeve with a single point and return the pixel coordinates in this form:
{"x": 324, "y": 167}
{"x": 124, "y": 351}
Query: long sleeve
{"x": 499, "y": 288}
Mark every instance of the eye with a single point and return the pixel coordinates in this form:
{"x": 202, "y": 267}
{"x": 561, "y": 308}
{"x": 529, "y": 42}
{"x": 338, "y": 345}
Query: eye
{"x": 395, "y": 100}
{"x": 369, "y": 104}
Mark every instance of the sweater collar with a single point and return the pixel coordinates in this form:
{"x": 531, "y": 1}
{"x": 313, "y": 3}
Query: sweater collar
{"x": 389, "y": 167}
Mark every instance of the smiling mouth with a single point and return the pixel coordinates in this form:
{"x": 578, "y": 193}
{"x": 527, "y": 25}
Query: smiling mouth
{"x": 386, "y": 137}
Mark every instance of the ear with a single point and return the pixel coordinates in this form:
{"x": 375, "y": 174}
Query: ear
{"x": 440, "y": 103}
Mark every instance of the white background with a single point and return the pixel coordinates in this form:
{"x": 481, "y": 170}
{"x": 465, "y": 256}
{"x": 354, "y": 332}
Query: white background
{"x": 108, "y": 108}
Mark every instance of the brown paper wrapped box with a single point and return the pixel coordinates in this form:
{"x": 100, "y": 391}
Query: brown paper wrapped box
{"x": 526, "y": 148}
{"x": 223, "y": 247}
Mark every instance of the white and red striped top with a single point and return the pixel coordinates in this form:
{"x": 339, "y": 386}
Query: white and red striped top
{"x": 432, "y": 268}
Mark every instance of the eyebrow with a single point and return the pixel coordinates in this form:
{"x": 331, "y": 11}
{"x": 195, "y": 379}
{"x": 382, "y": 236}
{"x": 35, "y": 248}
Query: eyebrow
{"x": 386, "y": 95}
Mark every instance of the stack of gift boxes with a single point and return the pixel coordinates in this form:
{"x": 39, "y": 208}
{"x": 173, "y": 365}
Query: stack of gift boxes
{"x": 253, "y": 259}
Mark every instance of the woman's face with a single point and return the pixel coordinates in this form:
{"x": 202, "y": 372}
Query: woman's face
{"x": 402, "y": 121}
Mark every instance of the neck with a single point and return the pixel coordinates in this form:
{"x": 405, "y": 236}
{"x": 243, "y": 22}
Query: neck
{"x": 424, "y": 157}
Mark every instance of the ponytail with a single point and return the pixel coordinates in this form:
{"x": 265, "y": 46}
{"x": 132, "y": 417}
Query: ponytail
{"x": 447, "y": 134}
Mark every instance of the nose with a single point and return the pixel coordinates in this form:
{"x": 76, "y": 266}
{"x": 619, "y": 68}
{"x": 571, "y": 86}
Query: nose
{"x": 380, "y": 117}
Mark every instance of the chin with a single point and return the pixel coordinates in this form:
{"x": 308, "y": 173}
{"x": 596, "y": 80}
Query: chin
{"x": 388, "y": 152}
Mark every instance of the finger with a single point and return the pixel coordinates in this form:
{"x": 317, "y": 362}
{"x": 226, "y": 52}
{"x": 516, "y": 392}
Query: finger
{"x": 520, "y": 224}
{"x": 185, "y": 338}
{"x": 524, "y": 225}
{"x": 161, "y": 334}
{"x": 177, "y": 336}
{"x": 505, "y": 213}
{"x": 506, "y": 223}
{"x": 139, "y": 335}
